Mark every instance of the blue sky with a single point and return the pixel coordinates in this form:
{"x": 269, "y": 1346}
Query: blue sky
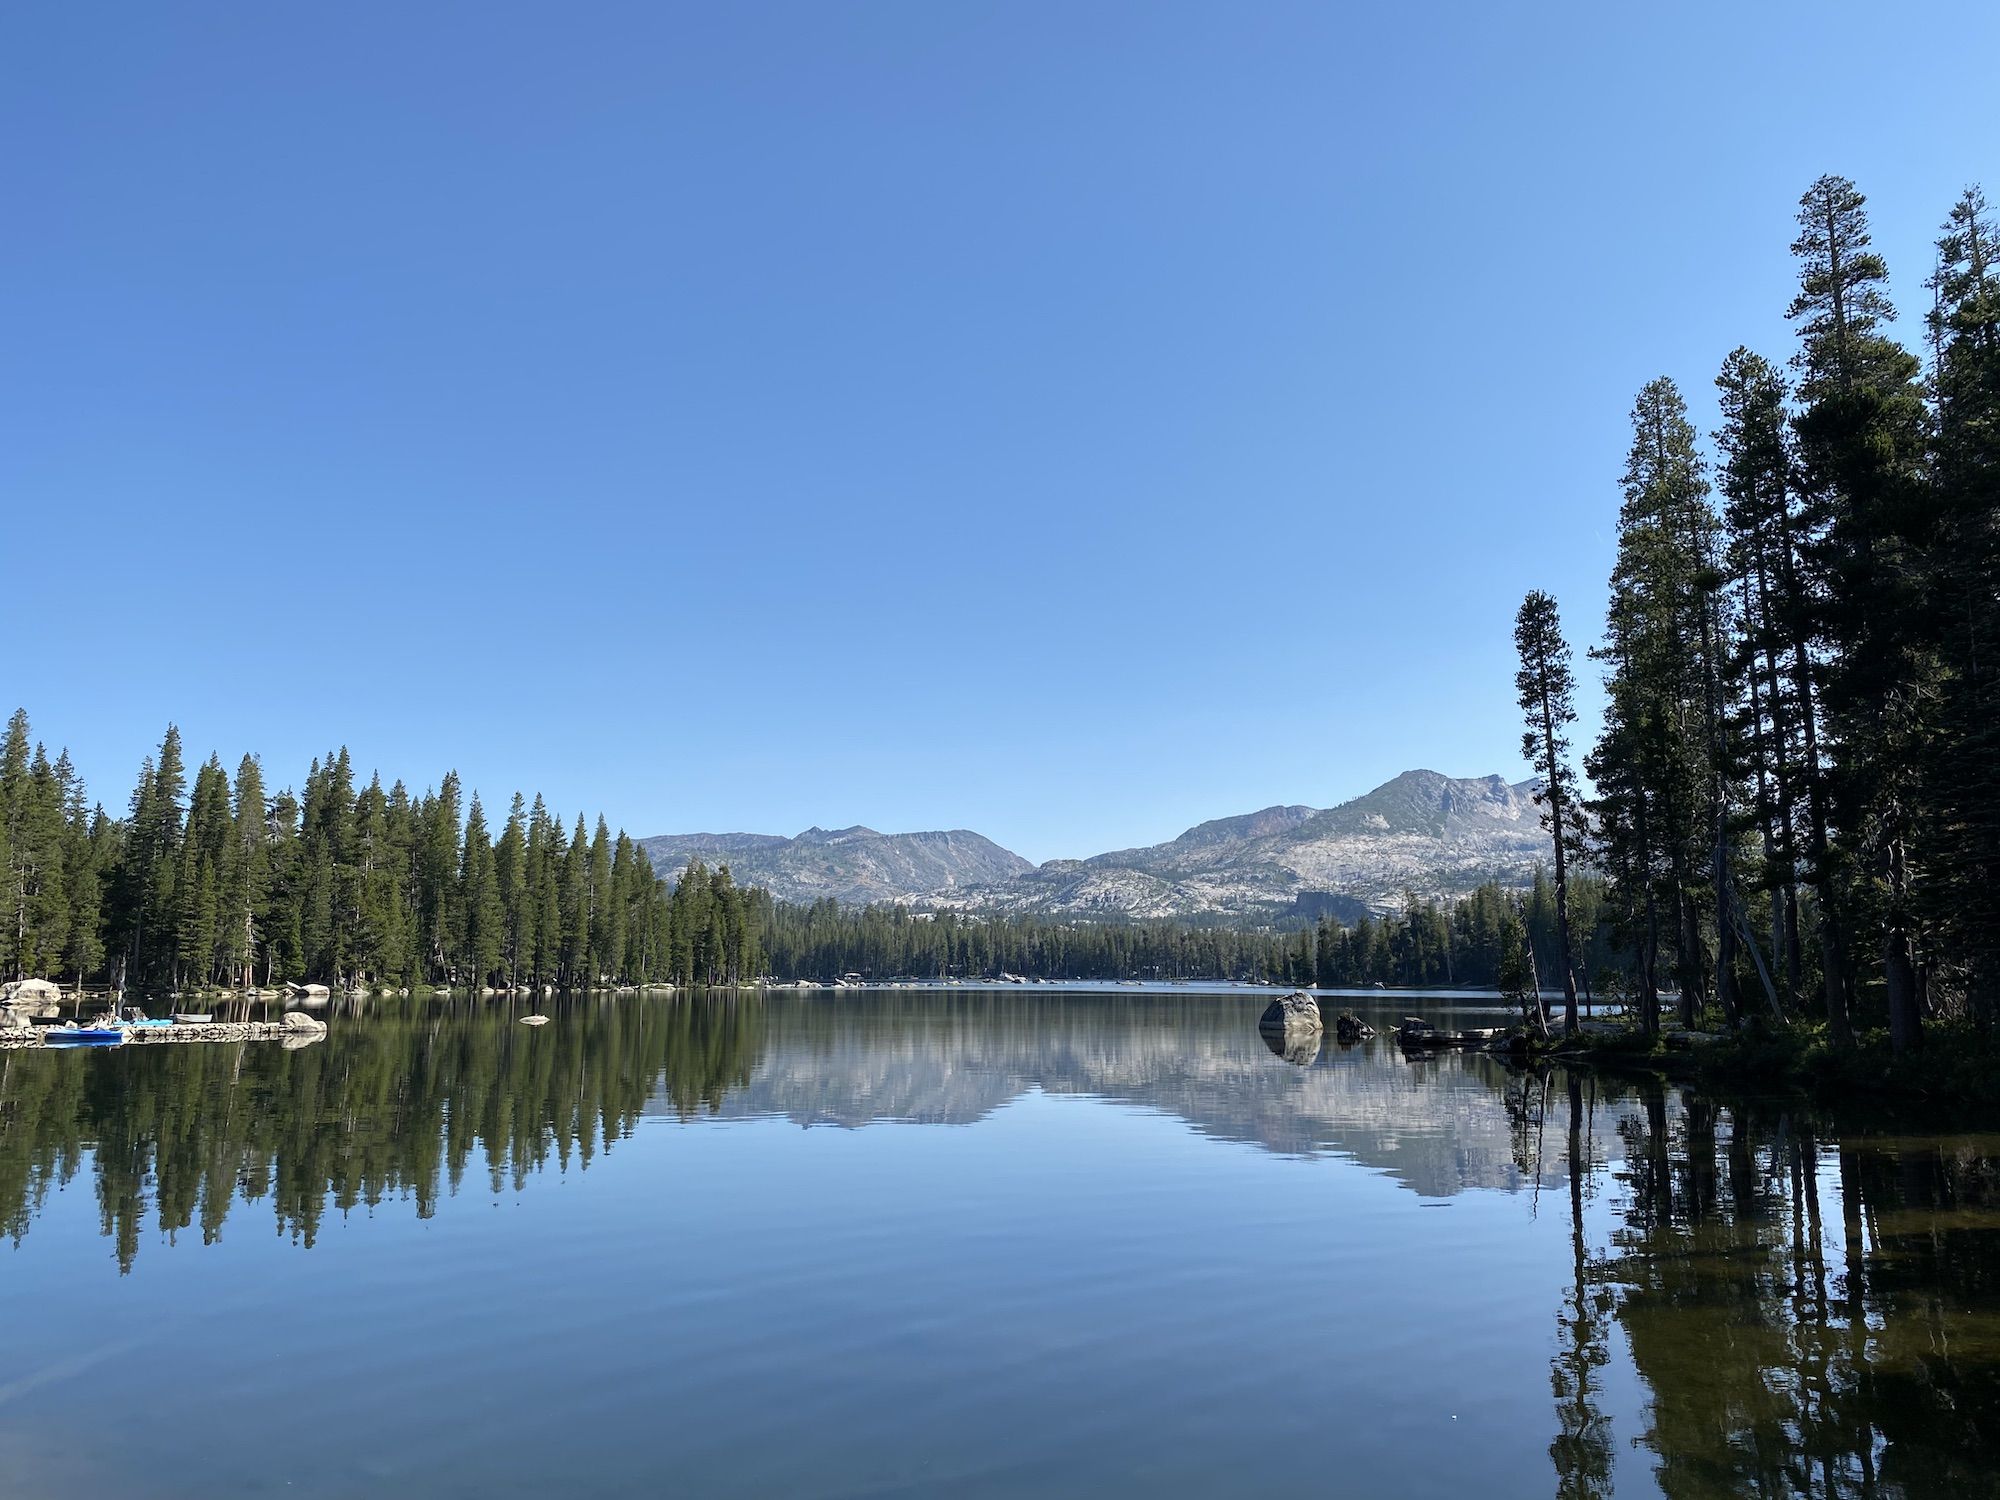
{"x": 1066, "y": 421}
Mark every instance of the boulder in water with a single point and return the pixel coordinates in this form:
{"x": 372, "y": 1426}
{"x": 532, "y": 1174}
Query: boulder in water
{"x": 30, "y": 994}
{"x": 1297, "y": 1011}
{"x": 301, "y": 1024}
{"x": 1348, "y": 1027}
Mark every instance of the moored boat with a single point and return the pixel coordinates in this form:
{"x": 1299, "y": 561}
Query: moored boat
{"x": 84, "y": 1036}
{"x": 192, "y": 1018}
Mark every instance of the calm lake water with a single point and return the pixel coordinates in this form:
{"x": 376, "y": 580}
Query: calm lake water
{"x": 1018, "y": 1243}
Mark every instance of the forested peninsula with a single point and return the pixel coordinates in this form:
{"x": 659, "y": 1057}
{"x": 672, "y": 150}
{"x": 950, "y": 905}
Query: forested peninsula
{"x": 1794, "y": 804}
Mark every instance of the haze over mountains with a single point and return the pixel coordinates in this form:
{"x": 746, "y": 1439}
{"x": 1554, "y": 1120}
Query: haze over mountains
{"x": 1422, "y": 832}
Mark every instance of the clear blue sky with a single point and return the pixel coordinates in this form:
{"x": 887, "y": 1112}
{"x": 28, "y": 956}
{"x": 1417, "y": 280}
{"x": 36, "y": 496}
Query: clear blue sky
{"x": 1070, "y": 421}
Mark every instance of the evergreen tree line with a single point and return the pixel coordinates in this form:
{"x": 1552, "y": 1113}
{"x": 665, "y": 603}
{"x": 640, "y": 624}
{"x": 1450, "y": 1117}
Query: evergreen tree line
{"x": 1464, "y": 943}
{"x": 1493, "y": 938}
{"x": 1797, "y": 787}
{"x": 225, "y": 885}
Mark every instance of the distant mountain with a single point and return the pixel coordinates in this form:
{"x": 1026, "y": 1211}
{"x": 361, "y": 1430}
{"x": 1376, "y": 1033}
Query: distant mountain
{"x": 1435, "y": 835}
{"x": 855, "y": 865}
{"x": 1423, "y": 832}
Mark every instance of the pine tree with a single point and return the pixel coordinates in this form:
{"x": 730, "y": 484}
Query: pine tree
{"x": 438, "y": 864}
{"x": 575, "y": 903}
{"x": 546, "y": 883}
{"x": 246, "y": 900}
{"x": 48, "y": 900}
{"x": 603, "y": 961}
{"x": 510, "y": 873}
{"x": 285, "y": 950}
{"x": 86, "y": 841}
{"x": 36, "y": 905}
{"x": 15, "y": 857}
{"x": 484, "y": 918}
{"x": 1546, "y": 689}
{"x": 625, "y": 899}
{"x": 402, "y": 838}
{"x": 1861, "y": 450}
{"x": 200, "y": 878}
{"x": 1772, "y": 660}
{"x": 144, "y": 882}
{"x": 380, "y": 860}
{"x": 1962, "y": 771}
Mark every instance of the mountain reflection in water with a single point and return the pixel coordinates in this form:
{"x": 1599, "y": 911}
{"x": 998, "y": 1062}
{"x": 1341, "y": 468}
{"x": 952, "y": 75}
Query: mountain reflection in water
{"x": 1756, "y": 1299}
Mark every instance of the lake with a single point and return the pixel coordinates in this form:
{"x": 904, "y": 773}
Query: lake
{"x": 1044, "y": 1242}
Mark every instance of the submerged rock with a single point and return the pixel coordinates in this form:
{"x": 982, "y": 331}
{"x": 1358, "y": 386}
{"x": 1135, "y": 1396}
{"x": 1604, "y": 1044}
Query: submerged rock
{"x": 1297, "y": 1011}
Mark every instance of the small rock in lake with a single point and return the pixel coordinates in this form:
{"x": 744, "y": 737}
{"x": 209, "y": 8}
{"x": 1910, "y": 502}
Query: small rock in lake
{"x": 534, "y": 1020}
{"x": 299, "y": 1022}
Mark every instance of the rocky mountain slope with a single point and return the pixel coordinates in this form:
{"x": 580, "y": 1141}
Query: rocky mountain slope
{"x": 855, "y": 865}
{"x": 1424, "y": 832}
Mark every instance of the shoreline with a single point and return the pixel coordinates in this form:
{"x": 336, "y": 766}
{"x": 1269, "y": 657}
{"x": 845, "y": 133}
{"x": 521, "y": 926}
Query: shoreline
{"x": 1956, "y": 1073}
{"x": 204, "y": 1031}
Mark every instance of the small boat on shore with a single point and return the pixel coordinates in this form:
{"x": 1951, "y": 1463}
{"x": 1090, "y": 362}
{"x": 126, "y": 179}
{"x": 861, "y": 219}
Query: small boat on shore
{"x": 84, "y": 1036}
{"x": 193, "y": 1018}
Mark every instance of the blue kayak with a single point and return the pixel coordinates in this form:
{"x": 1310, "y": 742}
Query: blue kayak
{"x": 84, "y": 1036}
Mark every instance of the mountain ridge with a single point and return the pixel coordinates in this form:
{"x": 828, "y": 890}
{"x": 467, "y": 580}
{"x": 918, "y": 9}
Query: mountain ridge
{"x": 1421, "y": 832}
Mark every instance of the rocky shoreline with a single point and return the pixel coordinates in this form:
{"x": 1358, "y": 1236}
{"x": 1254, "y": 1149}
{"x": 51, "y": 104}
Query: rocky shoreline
{"x": 294, "y": 1030}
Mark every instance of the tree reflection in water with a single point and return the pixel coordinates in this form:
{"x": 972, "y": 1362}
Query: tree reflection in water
{"x": 399, "y": 1107}
{"x": 1811, "y": 1308}
{"x": 1582, "y": 1449}
{"x": 1788, "y": 1351}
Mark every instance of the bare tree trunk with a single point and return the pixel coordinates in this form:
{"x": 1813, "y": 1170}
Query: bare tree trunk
{"x": 1898, "y": 969}
{"x": 1649, "y": 957}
